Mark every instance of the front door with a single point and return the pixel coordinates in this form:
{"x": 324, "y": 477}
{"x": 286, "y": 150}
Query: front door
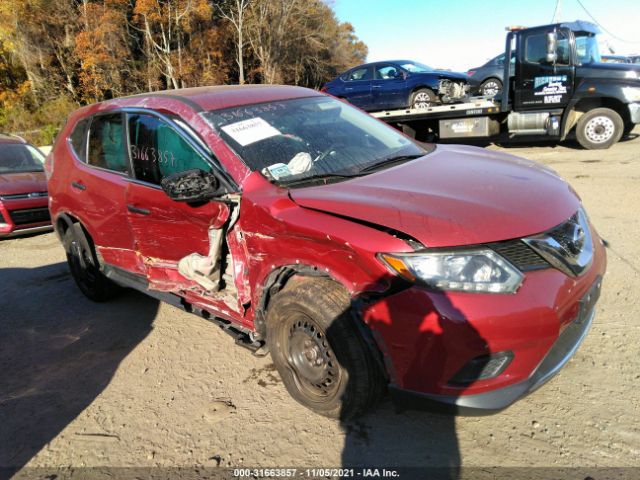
{"x": 539, "y": 84}
{"x": 165, "y": 231}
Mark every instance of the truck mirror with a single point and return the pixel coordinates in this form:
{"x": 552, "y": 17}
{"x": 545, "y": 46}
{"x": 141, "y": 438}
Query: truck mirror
{"x": 552, "y": 45}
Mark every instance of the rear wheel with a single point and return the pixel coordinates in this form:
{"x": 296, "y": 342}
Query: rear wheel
{"x": 490, "y": 87}
{"x": 319, "y": 352}
{"x": 423, "y": 98}
{"x": 599, "y": 128}
{"x": 84, "y": 266}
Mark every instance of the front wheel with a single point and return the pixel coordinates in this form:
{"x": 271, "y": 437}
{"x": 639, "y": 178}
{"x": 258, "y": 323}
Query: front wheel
{"x": 84, "y": 266}
{"x": 599, "y": 128}
{"x": 423, "y": 98}
{"x": 319, "y": 352}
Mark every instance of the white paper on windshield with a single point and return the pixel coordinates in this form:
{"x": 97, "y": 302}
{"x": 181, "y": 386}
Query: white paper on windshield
{"x": 250, "y": 131}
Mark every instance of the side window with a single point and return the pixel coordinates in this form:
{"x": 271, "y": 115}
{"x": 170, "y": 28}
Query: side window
{"x": 78, "y": 139}
{"x": 386, "y": 72}
{"x": 500, "y": 60}
{"x": 562, "y": 49}
{"x": 536, "y": 48}
{"x": 358, "y": 74}
{"x": 106, "y": 143}
{"x": 157, "y": 150}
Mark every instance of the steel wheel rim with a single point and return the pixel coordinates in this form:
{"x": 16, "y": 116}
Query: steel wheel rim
{"x": 600, "y": 129}
{"x": 311, "y": 359}
{"x": 421, "y": 100}
{"x": 490, "y": 88}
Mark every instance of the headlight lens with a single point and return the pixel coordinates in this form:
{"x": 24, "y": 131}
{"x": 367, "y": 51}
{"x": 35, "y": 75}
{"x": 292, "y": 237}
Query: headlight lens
{"x": 469, "y": 271}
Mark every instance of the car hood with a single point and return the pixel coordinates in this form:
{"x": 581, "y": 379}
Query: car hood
{"x": 454, "y": 196}
{"x": 617, "y": 71}
{"x": 27, "y": 182}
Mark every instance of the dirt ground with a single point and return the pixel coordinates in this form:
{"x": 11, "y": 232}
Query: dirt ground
{"x": 135, "y": 383}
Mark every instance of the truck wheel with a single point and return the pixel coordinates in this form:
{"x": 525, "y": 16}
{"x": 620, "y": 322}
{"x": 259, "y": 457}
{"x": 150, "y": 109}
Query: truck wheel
{"x": 84, "y": 266}
{"x": 490, "y": 87}
{"x": 599, "y": 128}
{"x": 423, "y": 98}
{"x": 318, "y": 351}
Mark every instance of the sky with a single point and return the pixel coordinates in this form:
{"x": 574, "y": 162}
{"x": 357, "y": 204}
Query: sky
{"x": 462, "y": 34}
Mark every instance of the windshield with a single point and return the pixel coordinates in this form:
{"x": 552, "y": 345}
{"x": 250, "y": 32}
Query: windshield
{"x": 416, "y": 67}
{"x": 587, "y": 48}
{"x": 18, "y": 158}
{"x": 293, "y": 140}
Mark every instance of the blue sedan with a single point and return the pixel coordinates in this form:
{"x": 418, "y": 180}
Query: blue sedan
{"x": 398, "y": 84}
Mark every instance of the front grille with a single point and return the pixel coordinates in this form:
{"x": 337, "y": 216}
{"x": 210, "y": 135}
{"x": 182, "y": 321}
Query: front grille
{"x": 520, "y": 255}
{"x": 21, "y": 196}
{"x": 30, "y": 215}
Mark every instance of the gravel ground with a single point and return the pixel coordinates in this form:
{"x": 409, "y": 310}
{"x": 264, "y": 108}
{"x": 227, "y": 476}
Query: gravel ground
{"x": 136, "y": 383}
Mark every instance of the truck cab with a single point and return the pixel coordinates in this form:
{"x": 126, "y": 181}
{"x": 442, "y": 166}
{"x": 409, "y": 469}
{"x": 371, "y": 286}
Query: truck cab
{"x": 560, "y": 84}
{"x": 557, "y": 86}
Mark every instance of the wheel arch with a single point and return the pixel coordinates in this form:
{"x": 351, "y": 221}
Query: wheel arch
{"x": 585, "y": 104}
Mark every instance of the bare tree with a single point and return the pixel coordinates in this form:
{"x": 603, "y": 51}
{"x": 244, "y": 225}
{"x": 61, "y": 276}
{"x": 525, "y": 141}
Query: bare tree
{"x": 234, "y": 11}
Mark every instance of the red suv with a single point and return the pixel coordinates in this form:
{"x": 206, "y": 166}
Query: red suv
{"x": 357, "y": 257}
{"x": 23, "y": 188}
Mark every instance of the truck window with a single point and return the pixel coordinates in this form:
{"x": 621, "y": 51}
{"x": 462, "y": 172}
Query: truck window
{"x": 536, "y": 48}
{"x": 157, "y": 150}
{"x": 106, "y": 143}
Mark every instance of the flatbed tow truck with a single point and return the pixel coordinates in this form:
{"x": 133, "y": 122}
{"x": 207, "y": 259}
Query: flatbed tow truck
{"x": 560, "y": 87}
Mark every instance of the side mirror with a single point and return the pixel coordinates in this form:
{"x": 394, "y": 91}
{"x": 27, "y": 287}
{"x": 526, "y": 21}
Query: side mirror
{"x": 552, "y": 46}
{"x": 190, "y": 186}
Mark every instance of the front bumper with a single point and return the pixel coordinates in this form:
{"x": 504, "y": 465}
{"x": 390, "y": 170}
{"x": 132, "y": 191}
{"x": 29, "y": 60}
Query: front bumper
{"x": 634, "y": 112}
{"x": 24, "y": 217}
{"x": 496, "y": 400}
{"x": 428, "y": 337}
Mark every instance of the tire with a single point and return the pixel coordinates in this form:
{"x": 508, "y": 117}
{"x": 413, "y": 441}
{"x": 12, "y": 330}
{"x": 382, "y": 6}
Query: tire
{"x": 490, "y": 87}
{"x": 599, "y": 129}
{"x": 320, "y": 354}
{"x": 84, "y": 266}
{"x": 423, "y": 98}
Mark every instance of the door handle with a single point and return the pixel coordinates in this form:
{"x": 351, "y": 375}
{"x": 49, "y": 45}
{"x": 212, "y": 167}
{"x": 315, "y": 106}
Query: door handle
{"x": 376, "y": 86}
{"x": 79, "y": 186}
{"x": 348, "y": 89}
{"x": 141, "y": 211}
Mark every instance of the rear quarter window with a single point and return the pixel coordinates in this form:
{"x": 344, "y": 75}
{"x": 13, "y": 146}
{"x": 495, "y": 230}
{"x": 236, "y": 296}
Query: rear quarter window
{"x": 78, "y": 139}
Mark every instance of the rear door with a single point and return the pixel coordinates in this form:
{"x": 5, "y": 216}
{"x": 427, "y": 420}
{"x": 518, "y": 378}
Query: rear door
{"x": 388, "y": 88}
{"x": 97, "y": 190}
{"x": 357, "y": 86}
{"x": 539, "y": 84}
{"x": 164, "y": 230}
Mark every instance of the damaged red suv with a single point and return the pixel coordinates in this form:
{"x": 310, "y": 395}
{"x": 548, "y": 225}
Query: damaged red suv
{"x": 360, "y": 259}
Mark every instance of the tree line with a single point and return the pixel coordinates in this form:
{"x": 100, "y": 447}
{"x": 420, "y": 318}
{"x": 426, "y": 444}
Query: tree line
{"x": 56, "y": 55}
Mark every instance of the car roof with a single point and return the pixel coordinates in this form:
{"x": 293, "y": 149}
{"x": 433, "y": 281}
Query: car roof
{"x": 221, "y": 96}
{"x": 11, "y": 139}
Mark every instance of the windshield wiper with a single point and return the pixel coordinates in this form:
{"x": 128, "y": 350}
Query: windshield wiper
{"x": 390, "y": 161}
{"x": 319, "y": 176}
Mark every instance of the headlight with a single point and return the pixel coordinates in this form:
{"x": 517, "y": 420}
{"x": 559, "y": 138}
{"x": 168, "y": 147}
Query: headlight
{"x": 469, "y": 270}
